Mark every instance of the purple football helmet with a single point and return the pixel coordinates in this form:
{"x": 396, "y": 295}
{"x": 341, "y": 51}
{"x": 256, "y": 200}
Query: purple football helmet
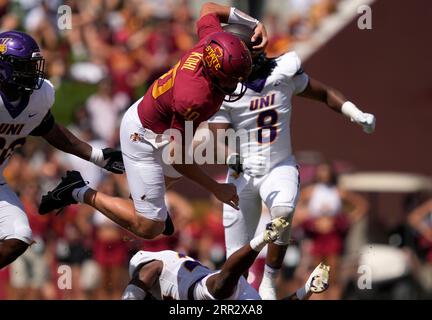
{"x": 21, "y": 62}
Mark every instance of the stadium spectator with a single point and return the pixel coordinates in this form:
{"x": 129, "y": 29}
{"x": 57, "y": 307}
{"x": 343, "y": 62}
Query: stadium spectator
{"x": 326, "y": 212}
{"x": 109, "y": 247}
{"x": 420, "y": 219}
{"x": 110, "y": 105}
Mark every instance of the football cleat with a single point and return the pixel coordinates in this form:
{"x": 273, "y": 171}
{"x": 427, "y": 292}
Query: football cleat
{"x": 274, "y": 229}
{"x": 61, "y": 196}
{"x": 319, "y": 278}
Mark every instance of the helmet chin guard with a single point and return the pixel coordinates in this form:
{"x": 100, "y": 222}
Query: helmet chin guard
{"x": 233, "y": 97}
{"x": 230, "y": 95}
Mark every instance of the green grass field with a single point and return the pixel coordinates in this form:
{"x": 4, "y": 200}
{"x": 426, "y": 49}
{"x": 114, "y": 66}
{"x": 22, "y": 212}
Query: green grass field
{"x": 71, "y": 95}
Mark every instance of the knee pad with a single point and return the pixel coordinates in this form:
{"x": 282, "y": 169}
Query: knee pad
{"x": 287, "y": 212}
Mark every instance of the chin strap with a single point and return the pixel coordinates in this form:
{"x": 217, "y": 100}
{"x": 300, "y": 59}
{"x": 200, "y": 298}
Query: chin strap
{"x": 236, "y": 97}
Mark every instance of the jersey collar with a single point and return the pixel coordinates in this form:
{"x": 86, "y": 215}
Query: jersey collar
{"x": 15, "y": 111}
{"x": 256, "y": 85}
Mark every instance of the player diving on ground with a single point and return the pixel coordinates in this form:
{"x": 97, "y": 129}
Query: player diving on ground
{"x": 169, "y": 275}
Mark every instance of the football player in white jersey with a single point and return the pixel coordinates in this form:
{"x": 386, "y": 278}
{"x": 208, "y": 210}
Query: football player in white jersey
{"x": 169, "y": 275}
{"x": 265, "y": 170}
{"x": 25, "y": 102}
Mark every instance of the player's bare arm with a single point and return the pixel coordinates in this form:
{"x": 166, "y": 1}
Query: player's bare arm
{"x": 318, "y": 91}
{"x": 220, "y": 147}
{"x": 224, "y": 192}
{"x": 252, "y": 165}
{"x": 336, "y": 101}
{"x": 143, "y": 280}
{"x": 62, "y": 139}
{"x": 233, "y": 15}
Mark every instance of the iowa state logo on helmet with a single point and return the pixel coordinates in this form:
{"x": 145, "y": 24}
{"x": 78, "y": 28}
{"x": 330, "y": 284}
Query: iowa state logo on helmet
{"x": 213, "y": 57}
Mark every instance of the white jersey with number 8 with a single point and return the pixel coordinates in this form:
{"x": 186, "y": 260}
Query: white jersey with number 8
{"x": 262, "y": 119}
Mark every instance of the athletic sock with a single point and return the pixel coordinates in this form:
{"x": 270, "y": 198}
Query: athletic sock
{"x": 258, "y": 243}
{"x": 269, "y": 276}
{"x": 303, "y": 291}
{"x": 267, "y": 288}
{"x": 78, "y": 193}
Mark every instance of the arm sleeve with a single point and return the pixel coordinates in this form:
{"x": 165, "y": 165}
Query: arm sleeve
{"x": 49, "y": 93}
{"x": 207, "y": 25}
{"x": 45, "y": 126}
{"x": 222, "y": 116}
{"x": 300, "y": 81}
{"x": 180, "y": 114}
{"x": 178, "y": 123}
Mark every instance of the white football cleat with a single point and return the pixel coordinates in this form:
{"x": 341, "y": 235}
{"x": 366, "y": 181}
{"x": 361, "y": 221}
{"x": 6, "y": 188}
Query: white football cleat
{"x": 274, "y": 229}
{"x": 319, "y": 278}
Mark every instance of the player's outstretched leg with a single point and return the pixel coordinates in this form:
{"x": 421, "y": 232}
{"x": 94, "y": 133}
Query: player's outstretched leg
{"x": 73, "y": 189}
{"x": 317, "y": 282}
{"x": 275, "y": 254}
{"x": 221, "y": 285}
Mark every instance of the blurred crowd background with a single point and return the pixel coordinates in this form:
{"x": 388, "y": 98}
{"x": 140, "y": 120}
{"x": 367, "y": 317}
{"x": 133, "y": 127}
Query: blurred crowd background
{"x": 106, "y": 61}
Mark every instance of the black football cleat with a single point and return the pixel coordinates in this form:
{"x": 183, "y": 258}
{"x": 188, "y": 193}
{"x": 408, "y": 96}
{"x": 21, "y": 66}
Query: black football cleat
{"x": 61, "y": 196}
{"x": 169, "y": 226}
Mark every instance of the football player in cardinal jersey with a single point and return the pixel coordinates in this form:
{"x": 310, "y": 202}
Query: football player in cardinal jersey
{"x": 25, "y": 102}
{"x": 192, "y": 91}
{"x": 265, "y": 170}
{"x": 169, "y": 275}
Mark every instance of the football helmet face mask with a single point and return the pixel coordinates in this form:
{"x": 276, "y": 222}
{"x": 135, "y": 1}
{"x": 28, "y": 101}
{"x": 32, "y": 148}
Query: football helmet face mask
{"x": 21, "y": 62}
{"x": 227, "y": 62}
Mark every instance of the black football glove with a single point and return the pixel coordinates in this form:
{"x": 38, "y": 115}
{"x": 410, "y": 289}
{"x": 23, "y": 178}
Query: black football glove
{"x": 234, "y": 163}
{"x": 114, "y": 160}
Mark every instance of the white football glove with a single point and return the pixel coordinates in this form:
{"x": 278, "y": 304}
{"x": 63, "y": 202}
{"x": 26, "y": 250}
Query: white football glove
{"x": 366, "y": 120}
{"x": 255, "y": 165}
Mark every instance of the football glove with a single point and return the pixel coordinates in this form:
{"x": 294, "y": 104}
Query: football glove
{"x": 253, "y": 166}
{"x": 113, "y": 160}
{"x": 366, "y": 120}
{"x": 109, "y": 159}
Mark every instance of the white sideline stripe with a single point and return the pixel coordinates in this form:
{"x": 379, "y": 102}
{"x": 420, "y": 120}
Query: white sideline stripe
{"x": 329, "y": 27}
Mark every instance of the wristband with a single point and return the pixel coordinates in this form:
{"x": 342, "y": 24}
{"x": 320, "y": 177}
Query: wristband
{"x": 350, "y": 110}
{"x": 97, "y": 157}
{"x": 239, "y": 17}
